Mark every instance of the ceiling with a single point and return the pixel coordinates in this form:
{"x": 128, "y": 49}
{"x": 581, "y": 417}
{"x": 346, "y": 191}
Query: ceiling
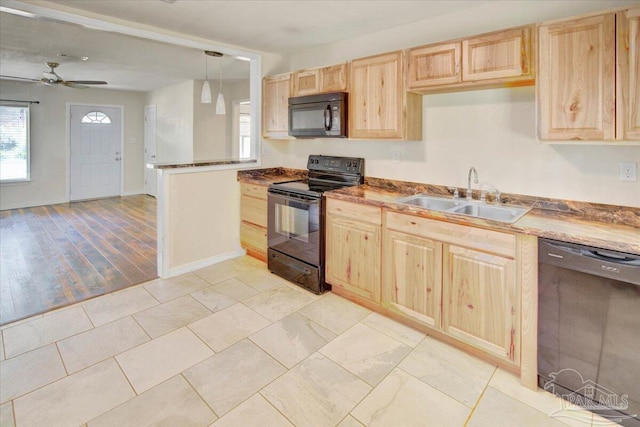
{"x": 280, "y": 27}
{"x": 131, "y": 63}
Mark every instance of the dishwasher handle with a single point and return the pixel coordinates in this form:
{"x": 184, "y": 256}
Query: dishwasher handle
{"x": 599, "y": 262}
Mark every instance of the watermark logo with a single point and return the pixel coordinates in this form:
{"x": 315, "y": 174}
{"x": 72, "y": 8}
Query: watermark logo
{"x": 589, "y": 395}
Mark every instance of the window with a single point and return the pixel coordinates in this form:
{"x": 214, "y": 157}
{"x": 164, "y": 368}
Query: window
{"x": 96, "y": 117}
{"x": 14, "y": 142}
{"x": 245, "y": 135}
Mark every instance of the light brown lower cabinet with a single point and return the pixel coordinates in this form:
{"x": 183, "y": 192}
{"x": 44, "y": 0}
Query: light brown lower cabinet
{"x": 253, "y": 220}
{"x": 353, "y": 238}
{"x": 460, "y": 280}
{"x": 413, "y": 277}
{"x": 465, "y": 284}
{"x": 480, "y": 301}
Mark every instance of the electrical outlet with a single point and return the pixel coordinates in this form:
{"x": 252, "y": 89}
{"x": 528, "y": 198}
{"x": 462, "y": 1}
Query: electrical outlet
{"x": 628, "y": 171}
{"x": 395, "y": 156}
{"x": 266, "y": 149}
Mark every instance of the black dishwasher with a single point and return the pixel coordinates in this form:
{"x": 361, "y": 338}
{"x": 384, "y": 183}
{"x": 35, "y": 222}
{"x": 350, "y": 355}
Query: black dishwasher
{"x": 589, "y": 328}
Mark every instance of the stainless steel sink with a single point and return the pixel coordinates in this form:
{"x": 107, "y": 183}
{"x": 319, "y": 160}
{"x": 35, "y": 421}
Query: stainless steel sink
{"x": 508, "y": 214}
{"x": 502, "y": 213}
{"x": 430, "y": 202}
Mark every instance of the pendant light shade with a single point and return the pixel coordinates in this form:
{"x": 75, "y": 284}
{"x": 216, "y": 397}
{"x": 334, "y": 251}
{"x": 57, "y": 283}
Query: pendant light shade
{"x": 221, "y": 110}
{"x": 205, "y": 96}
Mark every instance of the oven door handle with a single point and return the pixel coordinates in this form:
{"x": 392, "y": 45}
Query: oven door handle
{"x": 296, "y": 198}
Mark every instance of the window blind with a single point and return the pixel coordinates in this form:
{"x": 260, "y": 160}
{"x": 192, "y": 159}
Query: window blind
{"x": 14, "y": 141}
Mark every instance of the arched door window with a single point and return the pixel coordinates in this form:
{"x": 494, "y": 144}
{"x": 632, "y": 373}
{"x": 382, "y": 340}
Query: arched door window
{"x": 96, "y": 117}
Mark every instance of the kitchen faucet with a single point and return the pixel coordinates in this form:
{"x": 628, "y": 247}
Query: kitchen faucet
{"x": 475, "y": 180}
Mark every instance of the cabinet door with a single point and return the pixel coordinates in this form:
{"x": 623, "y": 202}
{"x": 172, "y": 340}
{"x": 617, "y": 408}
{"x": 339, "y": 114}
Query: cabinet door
{"x": 253, "y": 238}
{"x": 576, "y": 79}
{"x": 376, "y": 98}
{"x": 275, "y": 106}
{"x": 481, "y": 303}
{"x": 306, "y": 82}
{"x": 353, "y": 256}
{"x": 334, "y": 78}
{"x": 497, "y": 55}
{"x": 412, "y": 277}
{"x": 628, "y": 40}
{"x": 434, "y": 65}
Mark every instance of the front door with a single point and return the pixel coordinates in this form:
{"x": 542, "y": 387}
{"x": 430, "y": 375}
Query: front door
{"x": 96, "y": 157}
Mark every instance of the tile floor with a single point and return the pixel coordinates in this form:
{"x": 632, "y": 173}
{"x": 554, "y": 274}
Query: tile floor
{"x": 233, "y": 345}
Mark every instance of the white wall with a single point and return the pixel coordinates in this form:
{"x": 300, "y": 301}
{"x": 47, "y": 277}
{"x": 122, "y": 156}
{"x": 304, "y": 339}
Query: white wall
{"x": 493, "y": 130}
{"x": 174, "y": 122}
{"x": 49, "y": 144}
{"x": 212, "y": 133}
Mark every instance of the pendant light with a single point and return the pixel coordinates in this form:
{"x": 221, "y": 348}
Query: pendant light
{"x": 220, "y": 107}
{"x": 205, "y": 96}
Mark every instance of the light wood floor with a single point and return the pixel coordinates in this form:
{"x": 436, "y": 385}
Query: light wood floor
{"x": 52, "y": 256}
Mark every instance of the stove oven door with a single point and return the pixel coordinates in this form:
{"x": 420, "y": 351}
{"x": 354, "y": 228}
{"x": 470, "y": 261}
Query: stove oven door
{"x": 294, "y": 226}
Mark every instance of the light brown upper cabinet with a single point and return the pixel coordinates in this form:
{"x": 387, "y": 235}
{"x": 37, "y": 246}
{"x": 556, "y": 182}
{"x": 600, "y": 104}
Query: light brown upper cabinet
{"x": 335, "y": 78}
{"x": 497, "y": 59}
{"x": 320, "y": 80}
{"x": 501, "y": 55}
{"x": 306, "y": 82}
{"x": 585, "y": 90}
{"x": 379, "y": 107}
{"x": 434, "y": 65}
{"x": 628, "y": 99}
{"x": 576, "y": 79}
{"x": 275, "y": 106}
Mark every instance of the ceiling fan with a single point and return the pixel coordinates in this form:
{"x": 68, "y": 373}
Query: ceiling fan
{"x": 52, "y": 78}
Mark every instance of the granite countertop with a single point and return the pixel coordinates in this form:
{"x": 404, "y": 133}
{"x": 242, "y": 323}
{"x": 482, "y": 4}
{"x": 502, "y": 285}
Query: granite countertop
{"x": 603, "y": 226}
{"x": 271, "y": 175}
{"x": 200, "y": 163}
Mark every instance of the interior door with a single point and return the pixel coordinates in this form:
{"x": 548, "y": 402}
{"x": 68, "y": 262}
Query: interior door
{"x": 95, "y": 146}
{"x": 150, "y": 175}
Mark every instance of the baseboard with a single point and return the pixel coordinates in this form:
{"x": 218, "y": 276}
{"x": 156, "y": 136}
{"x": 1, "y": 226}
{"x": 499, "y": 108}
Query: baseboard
{"x": 197, "y": 265}
{"x": 132, "y": 193}
{"x": 32, "y": 204}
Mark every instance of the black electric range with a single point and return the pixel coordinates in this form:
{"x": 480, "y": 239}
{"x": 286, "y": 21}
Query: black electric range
{"x": 295, "y": 232}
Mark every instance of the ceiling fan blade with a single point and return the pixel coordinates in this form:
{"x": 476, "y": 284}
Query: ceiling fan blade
{"x": 87, "y": 82}
{"x": 19, "y": 78}
{"x": 73, "y": 85}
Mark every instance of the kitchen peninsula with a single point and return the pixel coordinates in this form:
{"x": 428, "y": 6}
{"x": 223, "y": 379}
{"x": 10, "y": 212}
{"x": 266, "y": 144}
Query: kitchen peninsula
{"x": 194, "y": 230}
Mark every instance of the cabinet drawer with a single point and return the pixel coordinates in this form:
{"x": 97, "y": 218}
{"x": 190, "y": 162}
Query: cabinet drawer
{"x": 360, "y": 212}
{"x": 254, "y": 190}
{"x": 477, "y": 238}
{"x": 253, "y": 237}
{"x": 253, "y": 210}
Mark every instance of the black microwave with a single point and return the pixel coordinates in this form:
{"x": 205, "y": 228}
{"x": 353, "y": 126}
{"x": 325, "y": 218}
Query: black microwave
{"x": 318, "y": 116}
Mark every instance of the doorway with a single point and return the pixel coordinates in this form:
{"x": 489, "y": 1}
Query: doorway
{"x": 95, "y": 140}
{"x": 150, "y": 175}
